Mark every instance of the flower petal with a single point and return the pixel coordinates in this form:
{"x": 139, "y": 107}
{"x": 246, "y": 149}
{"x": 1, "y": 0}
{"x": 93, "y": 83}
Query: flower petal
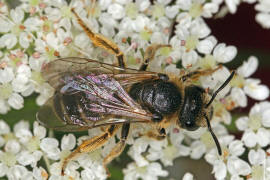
{"x": 256, "y": 91}
{"x": 248, "y": 67}
{"x": 257, "y": 157}
{"x": 238, "y": 166}
{"x": 224, "y": 54}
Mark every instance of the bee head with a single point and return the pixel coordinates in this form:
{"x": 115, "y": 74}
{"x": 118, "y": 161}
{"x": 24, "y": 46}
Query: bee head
{"x": 197, "y": 107}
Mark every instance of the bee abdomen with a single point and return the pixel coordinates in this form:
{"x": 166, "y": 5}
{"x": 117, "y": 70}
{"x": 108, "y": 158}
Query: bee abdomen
{"x": 73, "y": 110}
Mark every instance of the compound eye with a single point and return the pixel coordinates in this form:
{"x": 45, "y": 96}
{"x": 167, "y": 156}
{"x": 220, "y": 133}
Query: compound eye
{"x": 190, "y": 126}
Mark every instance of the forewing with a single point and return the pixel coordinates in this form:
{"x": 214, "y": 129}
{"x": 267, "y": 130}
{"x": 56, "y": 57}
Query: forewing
{"x": 67, "y": 113}
{"x": 55, "y": 70}
{"x": 87, "y": 99}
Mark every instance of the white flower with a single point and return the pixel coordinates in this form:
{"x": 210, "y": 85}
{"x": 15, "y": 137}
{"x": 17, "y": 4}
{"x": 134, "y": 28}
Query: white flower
{"x": 215, "y": 80}
{"x": 238, "y": 166}
{"x": 248, "y": 67}
{"x": 255, "y": 90}
{"x": 116, "y": 10}
{"x": 27, "y": 158}
{"x": 6, "y": 75}
{"x": 50, "y": 147}
{"x": 232, "y": 5}
{"x": 4, "y": 128}
{"x": 46, "y": 91}
{"x": 148, "y": 172}
{"x": 167, "y": 154}
{"x": 224, "y": 54}
{"x": 15, "y": 25}
{"x": 171, "y": 11}
{"x": 263, "y": 16}
{"x": 16, "y": 101}
{"x": 206, "y": 46}
{"x": 188, "y": 176}
{"x": 140, "y": 145}
{"x": 257, "y": 157}
{"x": 249, "y": 86}
{"x": 68, "y": 142}
{"x": 231, "y": 151}
{"x": 254, "y": 125}
{"x": 12, "y": 146}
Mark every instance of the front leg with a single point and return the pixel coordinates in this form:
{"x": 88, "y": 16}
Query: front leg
{"x": 195, "y": 75}
{"x": 158, "y": 134}
{"x": 150, "y": 54}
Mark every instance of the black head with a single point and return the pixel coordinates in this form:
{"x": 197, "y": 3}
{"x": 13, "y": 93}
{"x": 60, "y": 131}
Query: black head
{"x": 195, "y": 108}
{"x": 191, "y": 108}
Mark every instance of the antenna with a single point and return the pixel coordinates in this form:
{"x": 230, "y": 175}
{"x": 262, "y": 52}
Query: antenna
{"x": 220, "y": 88}
{"x": 213, "y": 135}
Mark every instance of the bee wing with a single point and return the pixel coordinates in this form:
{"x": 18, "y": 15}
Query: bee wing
{"x": 87, "y": 99}
{"x": 68, "y": 113}
{"x": 55, "y": 70}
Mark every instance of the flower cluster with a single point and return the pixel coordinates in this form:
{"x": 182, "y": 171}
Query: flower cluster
{"x": 39, "y": 31}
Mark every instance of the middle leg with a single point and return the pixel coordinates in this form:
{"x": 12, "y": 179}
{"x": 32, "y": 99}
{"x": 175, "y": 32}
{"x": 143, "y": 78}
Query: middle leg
{"x": 101, "y": 41}
{"x": 118, "y": 148}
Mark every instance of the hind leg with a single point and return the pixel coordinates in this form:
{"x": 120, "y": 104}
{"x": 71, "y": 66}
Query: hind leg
{"x": 90, "y": 145}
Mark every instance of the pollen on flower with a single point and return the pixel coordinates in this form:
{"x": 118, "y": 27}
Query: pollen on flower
{"x": 33, "y": 144}
{"x": 56, "y": 53}
{"x": 238, "y": 81}
{"x": 230, "y": 105}
{"x": 195, "y": 10}
{"x": 8, "y": 158}
{"x": 44, "y": 174}
{"x": 169, "y": 60}
{"x": 145, "y": 34}
{"x": 254, "y": 122}
{"x": 42, "y": 5}
{"x": 257, "y": 172}
{"x": 208, "y": 62}
{"x": 191, "y": 42}
{"x": 158, "y": 11}
{"x": 165, "y": 51}
{"x": 207, "y": 140}
{"x": 182, "y": 43}
{"x": 124, "y": 40}
{"x": 5, "y": 91}
{"x": 226, "y": 153}
{"x": 36, "y": 55}
{"x": 32, "y": 10}
{"x": 131, "y": 10}
{"x": 67, "y": 41}
{"x": 22, "y": 27}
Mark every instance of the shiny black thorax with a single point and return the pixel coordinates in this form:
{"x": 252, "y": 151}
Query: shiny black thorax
{"x": 159, "y": 97}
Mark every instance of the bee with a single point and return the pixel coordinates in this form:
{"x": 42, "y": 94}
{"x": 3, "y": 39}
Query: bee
{"x": 91, "y": 94}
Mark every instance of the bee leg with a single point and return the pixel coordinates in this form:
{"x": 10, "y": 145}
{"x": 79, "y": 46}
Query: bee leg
{"x": 196, "y": 74}
{"x": 150, "y": 54}
{"x": 101, "y": 41}
{"x": 118, "y": 148}
{"x": 90, "y": 145}
{"x": 159, "y": 135}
